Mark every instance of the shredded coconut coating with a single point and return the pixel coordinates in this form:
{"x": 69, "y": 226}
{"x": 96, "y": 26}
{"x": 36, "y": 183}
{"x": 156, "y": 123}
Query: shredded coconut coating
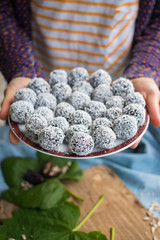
{"x": 104, "y": 137}
{"x": 62, "y": 91}
{"x": 46, "y": 100}
{"x": 65, "y": 110}
{"x": 81, "y": 117}
{"x": 61, "y": 123}
{"x": 73, "y": 129}
{"x": 137, "y": 111}
{"x": 66, "y": 106}
{"x": 77, "y": 74}
{"x": 115, "y": 101}
{"x": 50, "y": 138}
{"x": 101, "y": 93}
{"x": 125, "y": 127}
{"x": 101, "y": 122}
{"x": 135, "y": 97}
{"x": 83, "y": 86}
{"x": 45, "y": 112}
{"x": 100, "y": 77}
{"x": 113, "y": 113}
{"x": 25, "y": 94}
{"x": 39, "y": 85}
{"x": 79, "y": 100}
{"x": 95, "y": 109}
{"x": 57, "y": 76}
{"x": 34, "y": 124}
{"x": 122, "y": 87}
{"x": 20, "y": 111}
{"x": 81, "y": 144}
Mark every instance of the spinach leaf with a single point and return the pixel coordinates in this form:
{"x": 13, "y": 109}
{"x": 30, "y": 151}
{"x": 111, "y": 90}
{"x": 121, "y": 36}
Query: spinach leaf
{"x": 57, "y": 223}
{"x": 14, "y": 169}
{"x": 45, "y": 195}
{"x": 74, "y": 171}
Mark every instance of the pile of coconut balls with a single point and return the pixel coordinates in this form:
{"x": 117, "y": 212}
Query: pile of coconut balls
{"x": 84, "y": 112}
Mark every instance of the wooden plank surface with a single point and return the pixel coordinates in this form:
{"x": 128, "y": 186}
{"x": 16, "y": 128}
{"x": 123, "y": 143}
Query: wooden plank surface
{"x": 120, "y": 207}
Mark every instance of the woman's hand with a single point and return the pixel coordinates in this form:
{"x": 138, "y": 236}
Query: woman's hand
{"x": 11, "y": 89}
{"x": 148, "y": 88}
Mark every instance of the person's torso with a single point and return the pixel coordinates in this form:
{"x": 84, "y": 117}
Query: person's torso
{"x": 93, "y": 35}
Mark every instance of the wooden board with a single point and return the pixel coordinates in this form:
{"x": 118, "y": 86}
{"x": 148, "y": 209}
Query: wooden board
{"x": 120, "y": 207}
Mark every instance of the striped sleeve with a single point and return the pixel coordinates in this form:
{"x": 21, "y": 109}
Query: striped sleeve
{"x": 145, "y": 58}
{"x": 16, "y": 54}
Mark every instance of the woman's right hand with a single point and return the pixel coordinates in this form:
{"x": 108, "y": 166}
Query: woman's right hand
{"x": 14, "y": 85}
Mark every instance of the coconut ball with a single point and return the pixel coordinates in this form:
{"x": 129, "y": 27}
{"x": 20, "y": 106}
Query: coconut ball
{"x": 104, "y": 137}
{"x": 45, "y": 112}
{"x": 34, "y": 124}
{"x": 113, "y": 113}
{"x": 79, "y": 100}
{"x": 115, "y": 101}
{"x": 77, "y": 74}
{"x": 46, "y": 100}
{"x": 81, "y": 117}
{"x": 62, "y": 91}
{"x": 73, "y": 129}
{"x": 101, "y": 93}
{"x": 96, "y": 109}
{"x": 25, "y": 94}
{"x": 135, "y": 97}
{"x": 65, "y": 110}
{"x": 83, "y": 86}
{"x": 39, "y": 85}
{"x": 20, "y": 111}
{"x": 137, "y": 111}
{"x": 100, "y": 77}
{"x": 50, "y": 138}
{"x": 81, "y": 143}
{"x": 122, "y": 87}
{"x": 101, "y": 122}
{"x": 57, "y": 76}
{"x": 61, "y": 123}
{"x": 125, "y": 127}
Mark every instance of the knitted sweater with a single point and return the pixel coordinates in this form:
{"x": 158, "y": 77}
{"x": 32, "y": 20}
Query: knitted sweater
{"x": 17, "y": 57}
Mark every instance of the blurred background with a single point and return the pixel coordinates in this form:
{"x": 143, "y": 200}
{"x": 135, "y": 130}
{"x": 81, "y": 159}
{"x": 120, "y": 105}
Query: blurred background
{"x": 2, "y": 87}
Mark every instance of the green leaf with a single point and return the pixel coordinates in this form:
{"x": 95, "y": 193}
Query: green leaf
{"x": 95, "y": 235}
{"x": 14, "y": 169}
{"x": 45, "y": 195}
{"x": 54, "y": 224}
{"x": 42, "y": 158}
{"x": 74, "y": 171}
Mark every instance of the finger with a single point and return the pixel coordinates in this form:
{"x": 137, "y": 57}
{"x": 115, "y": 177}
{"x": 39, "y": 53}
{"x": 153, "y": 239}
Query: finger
{"x": 8, "y": 99}
{"x": 5, "y": 107}
{"x": 13, "y": 139}
{"x": 135, "y": 144}
{"x": 153, "y": 109}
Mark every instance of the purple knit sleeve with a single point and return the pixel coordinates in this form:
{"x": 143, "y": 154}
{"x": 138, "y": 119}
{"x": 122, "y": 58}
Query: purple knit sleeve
{"x": 16, "y": 53}
{"x": 145, "y": 55}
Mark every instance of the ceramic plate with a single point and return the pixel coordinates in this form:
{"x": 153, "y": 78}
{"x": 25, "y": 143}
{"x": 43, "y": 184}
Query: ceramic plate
{"x": 63, "y": 151}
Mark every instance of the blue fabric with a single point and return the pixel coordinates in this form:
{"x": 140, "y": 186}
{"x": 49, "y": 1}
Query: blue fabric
{"x": 139, "y": 168}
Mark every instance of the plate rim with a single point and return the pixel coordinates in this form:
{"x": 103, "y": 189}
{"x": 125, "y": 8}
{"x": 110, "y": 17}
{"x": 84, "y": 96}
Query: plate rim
{"x": 141, "y": 131}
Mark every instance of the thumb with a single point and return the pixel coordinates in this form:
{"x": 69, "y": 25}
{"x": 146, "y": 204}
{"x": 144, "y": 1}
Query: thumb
{"x": 13, "y": 139}
{"x": 153, "y": 109}
{"x": 8, "y": 99}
